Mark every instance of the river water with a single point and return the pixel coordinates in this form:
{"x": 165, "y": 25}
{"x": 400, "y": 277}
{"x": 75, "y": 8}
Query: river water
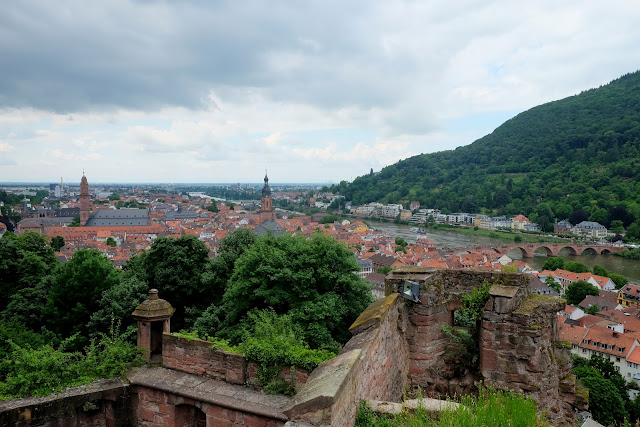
{"x": 450, "y": 239}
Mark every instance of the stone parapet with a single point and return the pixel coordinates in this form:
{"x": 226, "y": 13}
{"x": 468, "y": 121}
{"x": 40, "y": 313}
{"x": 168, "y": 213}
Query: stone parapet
{"x": 372, "y": 366}
{"x": 101, "y": 403}
{"x": 196, "y": 357}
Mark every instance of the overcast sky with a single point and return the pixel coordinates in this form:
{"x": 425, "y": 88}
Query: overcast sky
{"x": 315, "y": 91}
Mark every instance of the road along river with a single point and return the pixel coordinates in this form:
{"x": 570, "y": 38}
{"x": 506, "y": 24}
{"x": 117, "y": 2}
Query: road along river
{"x": 448, "y": 239}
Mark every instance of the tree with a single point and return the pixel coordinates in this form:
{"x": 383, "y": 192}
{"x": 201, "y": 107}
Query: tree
{"x": 576, "y": 267}
{"x": 24, "y": 260}
{"x": 577, "y": 216}
{"x": 213, "y": 207}
{"x": 76, "y": 291}
{"x": 75, "y": 222}
{"x": 599, "y": 270}
{"x": 175, "y": 267}
{"x": 57, "y": 243}
{"x": 617, "y": 226}
{"x": 605, "y": 403}
{"x": 111, "y": 242}
{"x": 312, "y": 280}
{"x": 618, "y": 279}
{"x": 593, "y": 309}
{"x": 113, "y": 197}
{"x": 553, "y": 263}
{"x": 551, "y": 282}
{"x": 577, "y": 291}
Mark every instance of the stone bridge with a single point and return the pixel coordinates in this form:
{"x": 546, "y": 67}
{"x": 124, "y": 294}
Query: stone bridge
{"x": 551, "y": 249}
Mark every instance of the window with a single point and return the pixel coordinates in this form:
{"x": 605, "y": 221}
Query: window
{"x": 618, "y": 359}
{"x": 584, "y": 350}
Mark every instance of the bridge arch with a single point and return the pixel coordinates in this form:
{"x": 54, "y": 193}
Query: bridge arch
{"x": 570, "y": 249}
{"x": 588, "y": 250}
{"x": 605, "y": 251}
{"x": 525, "y": 253}
{"x": 547, "y": 251}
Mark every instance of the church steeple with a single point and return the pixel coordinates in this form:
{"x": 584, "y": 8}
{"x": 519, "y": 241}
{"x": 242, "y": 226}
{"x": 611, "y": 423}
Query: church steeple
{"x": 266, "y": 203}
{"x": 85, "y": 203}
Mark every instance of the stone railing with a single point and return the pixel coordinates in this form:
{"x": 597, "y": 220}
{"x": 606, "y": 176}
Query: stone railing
{"x": 196, "y": 357}
{"x": 372, "y": 366}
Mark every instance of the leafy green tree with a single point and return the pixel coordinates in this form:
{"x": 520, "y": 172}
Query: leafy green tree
{"x": 111, "y": 242}
{"x": 576, "y": 267}
{"x": 385, "y": 269}
{"x": 551, "y": 282}
{"x": 633, "y": 231}
{"x": 593, "y": 309}
{"x": 605, "y": 403}
{"x": 175, "y": 267}
{"x": 553, "y": 263}
{"x": 75, "y": 222}
{"x": 57, "y": 243}
{"x": 598, "y": 270}
{"x": 312, "y": 280}
{"x": 617, "y": 226}
{"x": 24, "y": 260}
{"x": 618, "y": 279}
{"x": 114, "y": 197}
{"x": 213, "y": 207}
{"x": 577, "y": 291}
{"x": 76, "y": 290}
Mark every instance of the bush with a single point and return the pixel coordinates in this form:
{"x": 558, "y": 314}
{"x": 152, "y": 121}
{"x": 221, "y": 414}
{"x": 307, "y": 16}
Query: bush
{"x": 46, "y": 370}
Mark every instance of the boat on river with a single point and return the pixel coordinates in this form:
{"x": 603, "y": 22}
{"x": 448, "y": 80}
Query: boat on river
{"x": 418, "y": 230}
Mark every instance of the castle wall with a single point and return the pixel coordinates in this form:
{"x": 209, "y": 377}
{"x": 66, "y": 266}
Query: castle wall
{"x": 104, "y": 403}
{"x": 196, "y": 357}
{"x": 157, "y": 408}
{"x": 373, "y": 365}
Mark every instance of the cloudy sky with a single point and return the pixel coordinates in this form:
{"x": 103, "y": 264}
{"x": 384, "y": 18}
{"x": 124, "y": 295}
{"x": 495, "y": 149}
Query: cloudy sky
{"x": 315, "y": 91}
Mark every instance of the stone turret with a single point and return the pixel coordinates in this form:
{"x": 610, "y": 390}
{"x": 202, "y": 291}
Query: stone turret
{"x": 153, "y": 316}
{"x": 267, "y": 211}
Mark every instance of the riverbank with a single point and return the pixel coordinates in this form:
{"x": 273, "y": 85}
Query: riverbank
{"x": 494, "y": 234}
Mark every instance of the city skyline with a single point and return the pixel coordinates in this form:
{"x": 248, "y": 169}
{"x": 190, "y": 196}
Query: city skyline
{"x": 319, "y": 92}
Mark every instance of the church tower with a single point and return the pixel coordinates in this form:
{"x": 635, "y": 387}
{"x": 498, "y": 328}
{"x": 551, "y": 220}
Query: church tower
{"x": 266, "y": 203}
{"x": 85, "y": 204}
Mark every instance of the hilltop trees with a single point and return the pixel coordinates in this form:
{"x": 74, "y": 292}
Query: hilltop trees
{"x": 577, "y": 291}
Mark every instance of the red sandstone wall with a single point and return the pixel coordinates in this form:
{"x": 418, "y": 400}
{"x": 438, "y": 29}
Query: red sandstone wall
{"x": 372, "y": 365}
{"x": 155, "y": 408}
{"x": 195, "y": 357}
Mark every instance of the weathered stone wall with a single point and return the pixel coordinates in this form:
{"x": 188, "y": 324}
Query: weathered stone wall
{"x": 156, "y": 408}
{"x": 517, "y": 341}
{"x": 196, "y": 357}
{"x": 440, "y": 296}
{"x": 372, "y": 366}
{"x": 102, "y": 403}
{"x": 519, "y": 351}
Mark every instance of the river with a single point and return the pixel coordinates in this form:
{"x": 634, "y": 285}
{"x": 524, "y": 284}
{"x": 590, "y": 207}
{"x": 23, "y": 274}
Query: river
{"x": 451, "y": 239}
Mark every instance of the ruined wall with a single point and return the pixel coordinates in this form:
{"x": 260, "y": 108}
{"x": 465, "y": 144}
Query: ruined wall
{"x": 196, "y": 357}
{"x": 519, "y": 351}
{"x": 102, "y": 403}
{"x": 372, "y": 366}
{"x": 516, "y": 344}
{"x": 156, "y": 408}
{"x": 440, "y": 295}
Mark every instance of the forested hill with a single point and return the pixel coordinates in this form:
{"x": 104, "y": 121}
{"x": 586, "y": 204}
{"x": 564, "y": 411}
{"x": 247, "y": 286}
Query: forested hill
{"x": 582, "y": 152}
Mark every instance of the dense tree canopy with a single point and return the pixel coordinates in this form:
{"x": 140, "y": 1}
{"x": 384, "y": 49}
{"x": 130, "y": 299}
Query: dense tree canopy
{"x": 577, "y": 291}
{"x": 577, "y": 157}
{"x": 313, "y": 280}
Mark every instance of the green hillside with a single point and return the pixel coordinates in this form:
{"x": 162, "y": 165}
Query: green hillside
{"x": 582, "y": 152}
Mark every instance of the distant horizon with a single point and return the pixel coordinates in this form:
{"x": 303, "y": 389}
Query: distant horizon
{"x": 72, "y": 183}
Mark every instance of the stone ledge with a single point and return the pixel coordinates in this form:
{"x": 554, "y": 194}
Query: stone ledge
{"x": 324, "y": 384}
{"x": 373, "y": 315}
{"x": 211, "y": 391}
{"x": 433, "y": 406}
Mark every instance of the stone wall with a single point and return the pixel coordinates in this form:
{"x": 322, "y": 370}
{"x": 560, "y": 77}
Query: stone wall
{"x": 516, "y": 344}
{"x": 372, "y": 366}
{"x": 157, "y": 408}
{"x": 104, "y": 403}
{"x": 519, "y": 351}
{"x": 196, "y": 357}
